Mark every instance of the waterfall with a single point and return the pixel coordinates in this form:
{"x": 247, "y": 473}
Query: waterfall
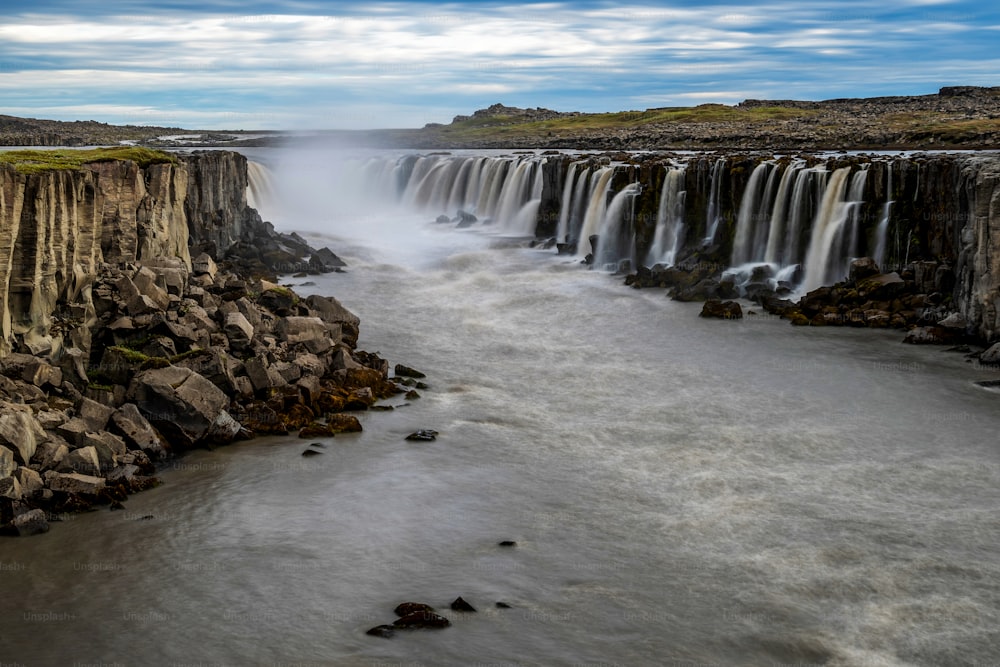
{"x": 615, "y": 242}
{"x": 882, "y": 230}
{"x": 601, "y": 183}
{"x": 260, "y": 186}
{"x": 801, "y": 205}
{"x": 566, "y": 208}
{"x": 669, "y": 219}
{"x": 749, "y": 216}
{"x": 772, "y": 252}
{"x": 821, "y": 265}
{"x": 715, "y": 187}
{"x": 580, "y": 203}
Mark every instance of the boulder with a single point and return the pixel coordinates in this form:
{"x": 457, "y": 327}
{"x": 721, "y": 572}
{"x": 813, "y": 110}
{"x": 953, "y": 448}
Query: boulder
{"x": 41, "y": 374}
{"x": 385, "y": 631}
{"x": 423, "y": 435}
{"x": 136, "y": 303}
{"x": 882, "y": 287}
{"x": 32, "y": 522}
{"x": 933, "y": 335}
{"x": 325, "y": 260}
{"x": 214, "y": 365}
{"x": 10, "y": 488}
{"x": 74, "y": 482}
{"x": 863, "y": 267}
{"x": 31, "y": 481}
{"x": 94, "y": 414}
{"x": 407, "y": 608}
{"x": 726, "y": 310}
{"x": 138, "y": 432}
{"x": 49, "y": 455}
{"x": 238, "y": 330}
{"x": 954, "y": 321}
{"x": 263, "y": 376}
{"x": 7, "y": 463}
{"x": 461, "y": 605}
{"x": 203, "y": 265}
{"x": 20, "y": 431}
{"x": 406, "y": 371}
{"x": 145, "y": 282}
{"x": 421, "y": 620}
{"x": 312, "y": 332}
{"x": 109, "y": 448}
{"x": 183, "y": 406}
{"x": 83, "y": 460}
{"x": 991, "y": 357}
{"x": 73, "y": 431}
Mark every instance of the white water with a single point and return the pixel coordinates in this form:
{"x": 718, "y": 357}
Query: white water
{"x": 836, "y": 211}
{"x": 612, "y": 247}
{"x": 750, "y": 215}
{"x": 712, "y": 216}
{"x": 882, "y": 231}
{"x": 683, "y": 491}
{"x": 669, "y": 220}
{"x": 596, "y": 208}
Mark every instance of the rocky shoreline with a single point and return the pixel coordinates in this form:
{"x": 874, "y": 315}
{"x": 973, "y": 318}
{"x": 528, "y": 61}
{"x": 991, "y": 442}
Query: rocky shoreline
{"x": 150, "y": 353}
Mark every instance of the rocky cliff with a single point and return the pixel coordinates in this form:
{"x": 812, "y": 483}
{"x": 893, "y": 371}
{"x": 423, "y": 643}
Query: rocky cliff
{"x": 124, "y": 341}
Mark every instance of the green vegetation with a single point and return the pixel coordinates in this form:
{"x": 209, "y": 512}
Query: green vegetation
{"x": 132, "y": 356}
{"x": 33, "y": 162}
{"x": 493, "y": 126}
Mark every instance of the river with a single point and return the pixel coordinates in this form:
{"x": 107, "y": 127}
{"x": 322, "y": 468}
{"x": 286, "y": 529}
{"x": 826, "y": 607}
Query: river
{"x": 682, "y": 491}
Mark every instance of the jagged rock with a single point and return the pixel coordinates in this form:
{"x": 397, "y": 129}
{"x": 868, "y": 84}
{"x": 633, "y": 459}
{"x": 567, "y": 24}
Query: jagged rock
{"x": 82, "y": 460}
{"x": 862, "y": 268}
{"x": 74, "y": 482}
{"x": 124, "y": 473}
{"x": 332, "y": 311}
{"x": 109, "y": 448}
{"x": 954, "y": 321}
{"x": 94, "y": 414}
{"x": 203, "y": 264}
{"x": 183, "y": 406}
{"x": 991, "y": 357}
{"x": 407, "y": 608}
{"x": 31, "y": 481}
{"x": 311, "y": 332}
{"x": 50, "y": 419}
{"x": 48, "y": 456}
{"x": 41, "y": 374}
{"x": 10, "y": 488}
{"x": 360, "y": 399}
{"x": 138, "y": 432}
{"x": 882, "y": 287}
{"x": 461, "y": 605}
{"x": 263, "y": 376}
{"x": 311, "y": 452}
{"x": 422, "y": 620}
{"x": 239, "y": 330}
{"x": 7, "y": 464}
{"x": 73, "y": 431}
{"x": 406, "y": 371}
{"x": 339, "y": 423}
{"x": 20, "y": 431}
{"x": 145, "y": 282}
{"x": 423, "y": 435}
{"x": 726, "y": 310}
{"x": 32, "y": 522}
{"x": 931, "y": 336}
{"x": 385, "y": 631}
{"x": 325, "y": 260}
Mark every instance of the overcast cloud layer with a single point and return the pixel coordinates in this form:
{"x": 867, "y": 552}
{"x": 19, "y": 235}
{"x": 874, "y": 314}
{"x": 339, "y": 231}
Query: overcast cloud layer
{"x": 298, "y": 64}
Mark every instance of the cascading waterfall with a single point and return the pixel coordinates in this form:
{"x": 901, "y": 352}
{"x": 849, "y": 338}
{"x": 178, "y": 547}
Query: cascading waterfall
{"x": 835, "y": 210}
{"x": 809, "y": 187}
{"x": 669, "y": 219}
{"x": 566, "y": 210}
{"x": 260, "y": 185}
{"x": 598, "y": 206}
{"x": 750, "y": 215}
{"x": 616, "y": 243}
{"x": 882, "y": 230}
{"x": 713, "y": 216}
{"x": 776, "y": 231}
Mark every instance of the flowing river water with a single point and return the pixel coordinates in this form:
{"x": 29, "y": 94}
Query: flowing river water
{"x": 682, "y": 492}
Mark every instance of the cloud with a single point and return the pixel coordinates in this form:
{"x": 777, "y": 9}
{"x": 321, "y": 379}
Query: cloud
{"x": 381, "y": 64}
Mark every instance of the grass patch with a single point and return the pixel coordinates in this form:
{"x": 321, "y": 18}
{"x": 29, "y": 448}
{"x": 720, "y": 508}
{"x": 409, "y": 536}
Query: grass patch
{"x": 493, "y": 126}
{"x": 34, "y": 162}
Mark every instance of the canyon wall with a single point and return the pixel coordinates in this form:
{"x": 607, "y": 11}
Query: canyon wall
{"x": 58, "y": 227}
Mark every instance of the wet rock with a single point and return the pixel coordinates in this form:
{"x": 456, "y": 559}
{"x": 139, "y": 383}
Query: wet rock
{"x": 325, "y": 260}
{"x": 407, "y": 608}
{"x": 423, "y": 435}
{"x": 74, "y": 482}
{"x": 311, "y": 452}
{"x": 83, "y": 460}
{"x": 138, "y": 432}
{"x": 862, "y": 268}
{"x": 886, "y": 286}
{"x": 183, "y": 406}
{"x": 726, "y": 310}
{"x": 405, "y": 371}
{"x": 507, "y": 543}
{"x": 933, "y": 335}
{"x": 954, "y": 321}
{"x": 461, "y": 605}
{"x": 32, "y": 522}
{"x": 442, "y": 219}
{"x": 311, "y": 332}
{"x": 991, "y": 357}
{"x": 422, "y": 620}
{"x": 503, "y": 605}
{"x": 384, "y": 631}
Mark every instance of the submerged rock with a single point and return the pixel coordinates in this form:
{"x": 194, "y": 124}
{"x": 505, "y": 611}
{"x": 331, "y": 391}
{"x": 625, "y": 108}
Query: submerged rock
{"x": 461, "y": 605}
{"x": 423, "y": 435}
{"x": 422, "y": 620}
{"x": 726, "y": 310}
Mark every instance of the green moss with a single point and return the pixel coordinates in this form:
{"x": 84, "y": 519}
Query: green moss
{"x": 100, "y": 387}
{"x": 187, "y": 355}
{"x": 152, "y": 363}
{"x": 34, "y": 162}
{"x": 130, "y": 355}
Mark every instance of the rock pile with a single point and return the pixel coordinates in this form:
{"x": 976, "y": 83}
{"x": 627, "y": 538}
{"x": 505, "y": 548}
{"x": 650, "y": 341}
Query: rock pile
{"x": 177, "y": 359}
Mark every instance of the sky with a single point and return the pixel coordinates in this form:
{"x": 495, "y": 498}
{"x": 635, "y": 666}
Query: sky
{"x": 304, "y": 64}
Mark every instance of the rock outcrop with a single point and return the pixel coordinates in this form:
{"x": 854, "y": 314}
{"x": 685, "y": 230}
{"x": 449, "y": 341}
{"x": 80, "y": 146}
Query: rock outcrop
{"x": 117, "y": 350}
